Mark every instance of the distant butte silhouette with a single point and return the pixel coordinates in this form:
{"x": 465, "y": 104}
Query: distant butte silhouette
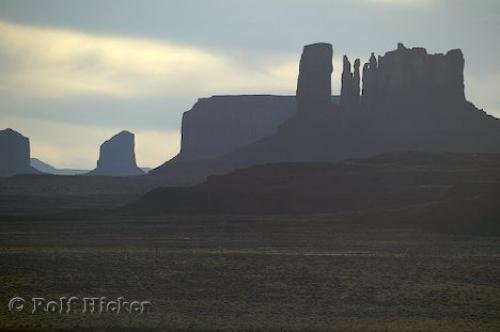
{"x": 14, "y": 154}
{"x": 409, "y": 101}
{"x": 117, "y": 157}
{"x": 218, "y": 125}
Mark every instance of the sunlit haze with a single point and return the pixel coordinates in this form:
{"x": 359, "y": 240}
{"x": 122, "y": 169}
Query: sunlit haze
{"x": 75, "y": 73}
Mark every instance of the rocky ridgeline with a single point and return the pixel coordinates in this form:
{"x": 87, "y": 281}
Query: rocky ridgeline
{"x": 404, "y": 77}
{"x": 14, "y": 153}
{"x": 409, "y": 101}
{"x": 117, "y": 157}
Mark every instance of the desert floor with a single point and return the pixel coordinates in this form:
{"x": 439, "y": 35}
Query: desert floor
{"x": 250, "y": 273}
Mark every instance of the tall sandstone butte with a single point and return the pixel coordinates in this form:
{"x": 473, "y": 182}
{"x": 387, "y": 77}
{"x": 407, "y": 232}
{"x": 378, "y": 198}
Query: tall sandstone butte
{"x": 14, "y": 153}
{"x": 314, "y": 84}
{"x": 350, "y": 90}
{"x": 117, "y": 157}
{"x": 410, "y": 101}
{"x": 412, "y": 76}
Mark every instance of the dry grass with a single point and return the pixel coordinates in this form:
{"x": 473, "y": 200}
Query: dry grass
{"x": 252, "y": 274}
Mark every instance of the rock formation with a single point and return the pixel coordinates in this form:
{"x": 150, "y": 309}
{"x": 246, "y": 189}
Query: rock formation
{"x": 346, "y": 90}
{"x": 221, "y": 124}
{"x": 14, "y": 153}
{"x": 357, "y": 82}
{"x": 412, "y": 77}
{"x": 410, "y": 101}
{"x": 369, "y": 83}
{"x": 117, "y": 157}
{"x": 314, "y": 85}
{"x": 350, "y": 90}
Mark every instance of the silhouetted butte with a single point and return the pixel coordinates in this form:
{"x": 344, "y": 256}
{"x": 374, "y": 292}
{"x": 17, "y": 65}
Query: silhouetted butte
{"x": 117, "y": 157}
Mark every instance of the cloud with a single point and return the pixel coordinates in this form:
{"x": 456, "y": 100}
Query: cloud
{"x": 154, "y": 147}
{"x": 400, "y": 3}
{"x": 66, "y": 145}
{"x": 58, "y": 63}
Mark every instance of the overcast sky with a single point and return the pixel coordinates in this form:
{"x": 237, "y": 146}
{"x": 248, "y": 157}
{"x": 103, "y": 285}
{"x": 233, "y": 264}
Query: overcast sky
{"x": 73, "y": 73}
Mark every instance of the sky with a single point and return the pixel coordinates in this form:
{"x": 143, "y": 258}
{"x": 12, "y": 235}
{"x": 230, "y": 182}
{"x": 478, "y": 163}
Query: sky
{"x": 74, "y": 73}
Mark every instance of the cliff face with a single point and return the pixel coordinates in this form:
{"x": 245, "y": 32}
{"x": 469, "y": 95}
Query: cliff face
{"x": 405, "y": 77}
{"x": 117, "y": 157}
{"x": 220, "y": 124}
{"x": 350, "y": 90}
{"x": 414, "y": 76}
{"x": 14, "y": 153}
{"x": 314, "y": 84}
{"x": 410, "y": 101}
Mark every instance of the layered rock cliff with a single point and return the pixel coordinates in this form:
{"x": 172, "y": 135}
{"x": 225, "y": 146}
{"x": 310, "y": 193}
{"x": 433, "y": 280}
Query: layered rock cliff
{"x": 220, "y": 124}
{"x": 117, "y": 157}
{"x": 314, "y": 84}
{"x": 410, "y": 101}
{"x": 414, "y": 76}
{"x": 14, "y": 154}
{"x": 350, "y": 90}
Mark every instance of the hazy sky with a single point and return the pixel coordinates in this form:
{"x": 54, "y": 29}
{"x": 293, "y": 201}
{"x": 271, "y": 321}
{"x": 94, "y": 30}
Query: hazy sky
{"x": 73, "y": 73}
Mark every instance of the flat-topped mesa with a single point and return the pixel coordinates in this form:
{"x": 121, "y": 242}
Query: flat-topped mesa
{"x": 14, "y": 153}
{"x": 350, "y": 90}
{"x": 314, "y": 85}
{"x": 117, "y": 157}
{"x": 220, "y": 124}
{"x": 414, "y": 75}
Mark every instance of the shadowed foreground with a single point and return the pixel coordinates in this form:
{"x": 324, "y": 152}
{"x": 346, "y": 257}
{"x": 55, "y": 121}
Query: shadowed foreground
{"x": 275, "y": 273}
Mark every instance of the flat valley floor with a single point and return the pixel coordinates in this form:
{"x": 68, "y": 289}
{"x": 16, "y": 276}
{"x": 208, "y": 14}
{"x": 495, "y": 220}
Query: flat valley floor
{"x": 250, "y": 273}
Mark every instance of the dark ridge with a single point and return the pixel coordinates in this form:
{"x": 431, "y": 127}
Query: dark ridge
{"x": 416, "y": 188}
{"x": 14, "y": 154}
{"x": 117, "y": 157}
